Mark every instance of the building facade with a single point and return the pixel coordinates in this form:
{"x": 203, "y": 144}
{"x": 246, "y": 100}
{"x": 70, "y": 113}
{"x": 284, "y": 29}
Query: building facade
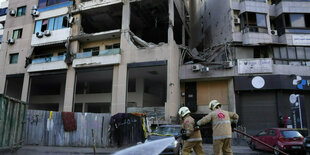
{"x": 107, "y": 56}
{"x": 253, "y": 56}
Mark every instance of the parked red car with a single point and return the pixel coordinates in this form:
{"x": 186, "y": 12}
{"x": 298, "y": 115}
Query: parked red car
{"x": 287, "y": 140}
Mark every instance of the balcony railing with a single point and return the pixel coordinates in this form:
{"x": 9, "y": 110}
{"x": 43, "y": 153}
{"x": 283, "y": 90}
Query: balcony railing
{"x": 278, "y": 1}
{"x": 255, "y": 29}
{"x": 95, "y": 53}
{"x": 49, "y": 59}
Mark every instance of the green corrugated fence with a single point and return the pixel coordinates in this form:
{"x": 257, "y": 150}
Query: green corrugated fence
{"x": 12, "y": 122}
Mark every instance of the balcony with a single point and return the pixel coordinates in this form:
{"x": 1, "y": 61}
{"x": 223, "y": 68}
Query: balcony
{"x": 56, "y": 36}
{"x": 292, "y": 6}
{"x": 104, "y": 57}
{"x": 255, "y": 35}
{"x": 90, "y": 4}
{"x": 254, "y": 6}
{"x": 48, "y": 63}
{"x": 54, "y": 5}
{"x": 295, "y": 39}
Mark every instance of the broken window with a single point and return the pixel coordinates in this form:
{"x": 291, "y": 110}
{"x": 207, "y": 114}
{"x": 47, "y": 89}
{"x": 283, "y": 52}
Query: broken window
{"x": 253, "y": 22}
{"x": 177, "y": 29}
{"x": 14, "y": 85}
{"x": 93, "y": 50}
{"x": 149, "y": 20}
{"x": 47, "y": 95}
{"x": 261, "y": 52}
{"x": 146, "y": 87}
{"x": 93, "y": 90}
{"x": 113, "y": 46}
{"x": 49, "y": 53}
{"x": 102, "y": 19}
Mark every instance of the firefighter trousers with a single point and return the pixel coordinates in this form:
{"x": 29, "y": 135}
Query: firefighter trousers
{"x": 222, "y": 146}
{"x": 189, "y": 145}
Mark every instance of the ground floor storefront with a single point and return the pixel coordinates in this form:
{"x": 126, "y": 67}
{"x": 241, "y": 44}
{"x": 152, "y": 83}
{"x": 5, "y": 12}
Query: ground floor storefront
{"x": 264, "y": 101}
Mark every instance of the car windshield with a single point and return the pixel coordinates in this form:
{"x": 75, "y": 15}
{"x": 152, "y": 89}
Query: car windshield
{"x": 167, "y": 130}
{"x": 291, "y": 134}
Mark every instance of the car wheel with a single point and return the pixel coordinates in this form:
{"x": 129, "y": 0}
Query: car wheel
{"x": 276, "y": 152}
{"x": 252, "y": 146}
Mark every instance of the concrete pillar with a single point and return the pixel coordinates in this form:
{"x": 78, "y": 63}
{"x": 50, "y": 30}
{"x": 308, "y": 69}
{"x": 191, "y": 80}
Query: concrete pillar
{"x": 76, "y": 27}
{"x": 62, "y": 97}
{"x": 26, "y": 87}
{"x": 2, "y": 71}
{"x": 119, "y": 86}
{"x": 171, "y": 21}
{"x": 140, "y": 91}
{"x": 173, "y": 84}
{"x": 69, "y": 90}
{"x": 2, "y": 83}
{"x": 126, "y": 15}
{"x": 183, "y": 35}
{"x": 231, "y": 96}
{"x": 119, "y": 89}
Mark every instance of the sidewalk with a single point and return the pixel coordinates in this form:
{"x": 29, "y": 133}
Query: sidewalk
{"x": 42, "y": 150}
{"x": 237, "y": 150}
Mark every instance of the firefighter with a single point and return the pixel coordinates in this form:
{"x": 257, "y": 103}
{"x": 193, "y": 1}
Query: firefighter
{"x": 221, "y": 126}
{"x": 192, "y": 136}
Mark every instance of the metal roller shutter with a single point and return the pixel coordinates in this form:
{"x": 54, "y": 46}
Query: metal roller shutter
{"x": 258, "y": 111}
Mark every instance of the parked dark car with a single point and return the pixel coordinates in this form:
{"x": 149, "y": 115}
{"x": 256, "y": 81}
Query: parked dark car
{"x": 307, "y": 143}
{"x": 284, "y": 139}
{"x": 163, "y": 131}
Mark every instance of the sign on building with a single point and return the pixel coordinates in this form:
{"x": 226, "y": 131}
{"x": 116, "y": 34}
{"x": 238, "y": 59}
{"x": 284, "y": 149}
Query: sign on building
{"x": 301, "y": 39}
{"x": 260, "y": 65}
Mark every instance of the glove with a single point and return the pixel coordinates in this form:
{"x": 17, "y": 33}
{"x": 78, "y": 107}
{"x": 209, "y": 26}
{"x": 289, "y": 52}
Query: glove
{"x": 234, "y": 124}
{"x": 183, "y": 134}
{"x": 196, "y": 126}
{"x": 198, "y": 123}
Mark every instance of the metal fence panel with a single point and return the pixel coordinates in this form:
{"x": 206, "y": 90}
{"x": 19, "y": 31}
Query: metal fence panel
{"x": 40, "y": 130}
{"x": 12, "y": 120}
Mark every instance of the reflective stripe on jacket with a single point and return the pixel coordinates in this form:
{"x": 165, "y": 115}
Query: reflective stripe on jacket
{"x": 189, "y": 124}
{"x": 221, "y": 121}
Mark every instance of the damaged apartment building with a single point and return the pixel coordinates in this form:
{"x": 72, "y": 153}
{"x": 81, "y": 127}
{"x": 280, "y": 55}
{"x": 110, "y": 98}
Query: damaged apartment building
{"x": 102, "y": 56}
{"x": 251, "y": 55}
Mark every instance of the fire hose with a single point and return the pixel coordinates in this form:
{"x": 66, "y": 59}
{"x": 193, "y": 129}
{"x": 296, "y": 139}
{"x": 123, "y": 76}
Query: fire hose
{"x": 245, "y": 134}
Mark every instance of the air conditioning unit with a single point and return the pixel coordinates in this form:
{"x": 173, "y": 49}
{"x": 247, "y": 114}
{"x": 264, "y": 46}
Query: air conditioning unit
{"x": 47, "y": 32}
{"x": 196, "y": 67}
{"x": 274, "y": 32}
{"x": 39, "y": 34}
{"x": 12, "y": 12}
{"x": 236, "y": 20}
{"x": 35, "y": 13}
{"x": 11, "y": 41}
{"x": 34, "y": 7}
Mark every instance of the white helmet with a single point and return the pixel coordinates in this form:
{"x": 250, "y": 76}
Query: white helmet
{"x": 183, "y": 111}
{"x": 213, "y": 104}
